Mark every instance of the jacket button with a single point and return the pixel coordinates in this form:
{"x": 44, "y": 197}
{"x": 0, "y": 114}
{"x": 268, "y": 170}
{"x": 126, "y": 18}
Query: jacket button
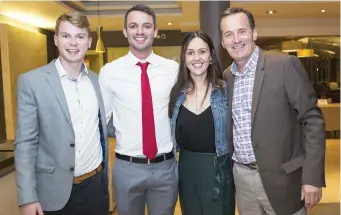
{"x": 72, "y": 145}
{"x": 72, "y": 168}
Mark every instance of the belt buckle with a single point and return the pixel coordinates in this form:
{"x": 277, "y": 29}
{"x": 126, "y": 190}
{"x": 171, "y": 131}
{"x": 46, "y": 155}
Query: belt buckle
{"x": 253, "y": 166}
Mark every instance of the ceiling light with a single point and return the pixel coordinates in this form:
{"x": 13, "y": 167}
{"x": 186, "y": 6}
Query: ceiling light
{"x": 323, "y": 10}
{"x": 100, "y": 48}
{"x": 169, "y": 23}
{"x": 271, "y": 12}
{"x": 292, "y": 46}
{"x": 305, "y": 53}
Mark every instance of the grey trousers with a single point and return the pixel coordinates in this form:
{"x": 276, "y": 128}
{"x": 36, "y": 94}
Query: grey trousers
{"x": 250, "y": 193}
{"x": 137, "y": 185}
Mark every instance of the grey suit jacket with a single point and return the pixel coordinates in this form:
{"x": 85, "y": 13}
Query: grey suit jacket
{"x": 44, "y": 150}
{"x": 288, "y": 130}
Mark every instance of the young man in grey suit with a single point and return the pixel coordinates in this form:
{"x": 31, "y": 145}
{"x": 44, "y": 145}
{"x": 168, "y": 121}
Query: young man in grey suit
{"x": 61, "y": 139}
{"x": 276, "y": 132}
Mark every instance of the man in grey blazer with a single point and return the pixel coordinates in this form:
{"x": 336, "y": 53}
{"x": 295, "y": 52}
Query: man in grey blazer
{"x": 276, "y": 132}
{"x": 61, "y": 139}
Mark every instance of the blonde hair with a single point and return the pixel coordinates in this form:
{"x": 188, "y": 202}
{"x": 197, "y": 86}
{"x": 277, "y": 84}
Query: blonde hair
{"x": 75, "y": 18}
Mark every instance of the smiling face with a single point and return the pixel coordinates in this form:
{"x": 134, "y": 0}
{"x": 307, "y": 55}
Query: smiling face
{"x": 238, "y": 37}
{"x": 197, "y": 57}
{"x": 72, "y": 42}
{"x": 140, "y": 31}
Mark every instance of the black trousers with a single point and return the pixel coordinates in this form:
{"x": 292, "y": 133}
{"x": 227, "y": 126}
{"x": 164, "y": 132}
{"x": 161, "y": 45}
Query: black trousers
{"x": 90, "y": 197}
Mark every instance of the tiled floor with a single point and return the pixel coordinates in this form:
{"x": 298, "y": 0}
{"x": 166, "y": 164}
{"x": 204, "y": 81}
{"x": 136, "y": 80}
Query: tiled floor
{"x": 330, "y": 203}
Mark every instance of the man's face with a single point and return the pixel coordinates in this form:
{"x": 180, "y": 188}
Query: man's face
{"x": 238, "y": 37}
{"x": 72, "y": 42}
{"x": 140, "y": 31}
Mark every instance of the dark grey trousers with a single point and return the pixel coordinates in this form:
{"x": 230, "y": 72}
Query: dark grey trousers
{"x": 137, "y": 185}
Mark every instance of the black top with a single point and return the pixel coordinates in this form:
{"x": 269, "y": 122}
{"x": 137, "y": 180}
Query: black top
{"x": 195, "y": 132}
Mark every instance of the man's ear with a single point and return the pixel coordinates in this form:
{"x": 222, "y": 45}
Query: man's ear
{"x": 254, "y": 35}
{"x": 55, "y": 38}
{"x": 125, "y": 32}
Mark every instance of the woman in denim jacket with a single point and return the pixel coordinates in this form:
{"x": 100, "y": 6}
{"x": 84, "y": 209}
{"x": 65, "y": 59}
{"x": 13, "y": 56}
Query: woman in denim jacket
{"x": 198, "y": 111}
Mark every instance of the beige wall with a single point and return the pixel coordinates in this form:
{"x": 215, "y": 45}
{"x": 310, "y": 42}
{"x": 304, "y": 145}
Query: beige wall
{"x": 21, "y": 51}
{"x": 297, "y": 27}
{"x": 170, "y": 52}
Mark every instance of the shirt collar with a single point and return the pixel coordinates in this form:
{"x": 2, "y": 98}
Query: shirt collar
{"x": 133, "y": 60}
{"x": 62, "y": 72}
{"x": 252, "y": 62}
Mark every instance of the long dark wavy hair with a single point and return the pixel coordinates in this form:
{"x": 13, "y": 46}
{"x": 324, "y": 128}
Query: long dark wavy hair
{"x": 185, "y": 81}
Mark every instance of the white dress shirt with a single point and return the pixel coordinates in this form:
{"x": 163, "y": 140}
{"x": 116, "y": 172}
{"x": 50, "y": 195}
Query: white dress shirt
{"x": 83, "y": 107}
{"x": 120, "y": 83}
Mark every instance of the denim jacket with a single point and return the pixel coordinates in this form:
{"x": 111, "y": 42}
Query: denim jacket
{"x": 219, "y": 111}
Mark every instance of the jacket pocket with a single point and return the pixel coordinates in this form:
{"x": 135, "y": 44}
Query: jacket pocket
{"x": 293, "y": 164}
{"x": 44, "y": 168}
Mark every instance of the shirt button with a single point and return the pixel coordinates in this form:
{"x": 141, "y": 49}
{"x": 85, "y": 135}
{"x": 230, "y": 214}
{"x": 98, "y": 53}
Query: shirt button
{"x": 72, "y": 145}
{"x": 72, "y": 168}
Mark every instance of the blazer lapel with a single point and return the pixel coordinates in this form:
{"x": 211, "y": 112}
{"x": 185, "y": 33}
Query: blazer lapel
{"x": 94, "y": 82}
{"x": 230, "y": 82}
{"x": 54, "y": 80}
{"x": 259, "y": 76}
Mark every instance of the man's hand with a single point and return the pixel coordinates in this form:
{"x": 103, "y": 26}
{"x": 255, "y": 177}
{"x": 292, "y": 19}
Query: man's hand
{"x": 311, "y": 194}
{"x": 31, "y": 209}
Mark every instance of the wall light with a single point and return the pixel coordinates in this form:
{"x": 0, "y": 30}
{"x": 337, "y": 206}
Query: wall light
{"x": 270, "y": 11}
{"x": 30, "y": 19}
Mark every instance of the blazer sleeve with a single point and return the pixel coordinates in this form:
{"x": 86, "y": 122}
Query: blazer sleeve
{"x": 302, "y": 98}
{"x": 26, "y": 143}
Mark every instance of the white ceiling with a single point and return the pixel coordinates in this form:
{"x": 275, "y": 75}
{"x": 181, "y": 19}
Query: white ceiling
{"x": 184, "y": 15}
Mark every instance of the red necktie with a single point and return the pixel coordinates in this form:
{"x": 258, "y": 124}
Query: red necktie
{"x": 148, "y": 126}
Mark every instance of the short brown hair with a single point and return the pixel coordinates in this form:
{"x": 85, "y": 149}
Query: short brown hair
{"x": 75, "y": 18}
{"x": 142, "y": 8}
{"x": 235, "y": 10}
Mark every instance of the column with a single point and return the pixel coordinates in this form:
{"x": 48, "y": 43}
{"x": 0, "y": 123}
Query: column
{"x": 209, "y": 20}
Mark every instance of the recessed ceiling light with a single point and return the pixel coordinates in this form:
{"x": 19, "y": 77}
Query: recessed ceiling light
{"x": 169, "y": 23}
{"x": 323, "y": 10}
{"x": 271, "y": 11}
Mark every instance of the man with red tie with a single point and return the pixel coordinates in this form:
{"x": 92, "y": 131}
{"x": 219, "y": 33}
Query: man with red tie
{"x": 136, "y": 89}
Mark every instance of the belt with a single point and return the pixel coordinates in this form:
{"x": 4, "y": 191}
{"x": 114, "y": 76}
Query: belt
{"x": 157, "y": 159}
{"x": 81, "y": 178}
{"x": 252, "y": 166}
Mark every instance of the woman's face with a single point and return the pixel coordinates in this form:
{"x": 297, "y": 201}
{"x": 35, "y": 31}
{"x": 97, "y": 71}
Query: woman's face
{"x": 197, "y": 57}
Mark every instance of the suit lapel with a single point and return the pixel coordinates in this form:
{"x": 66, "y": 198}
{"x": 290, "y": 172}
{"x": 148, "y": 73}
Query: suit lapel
{"x": 53, "y": 79}
{"x": 230, "y": 81}
{"x": 94, "y": 82}
{"x": 259, "y": 76}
